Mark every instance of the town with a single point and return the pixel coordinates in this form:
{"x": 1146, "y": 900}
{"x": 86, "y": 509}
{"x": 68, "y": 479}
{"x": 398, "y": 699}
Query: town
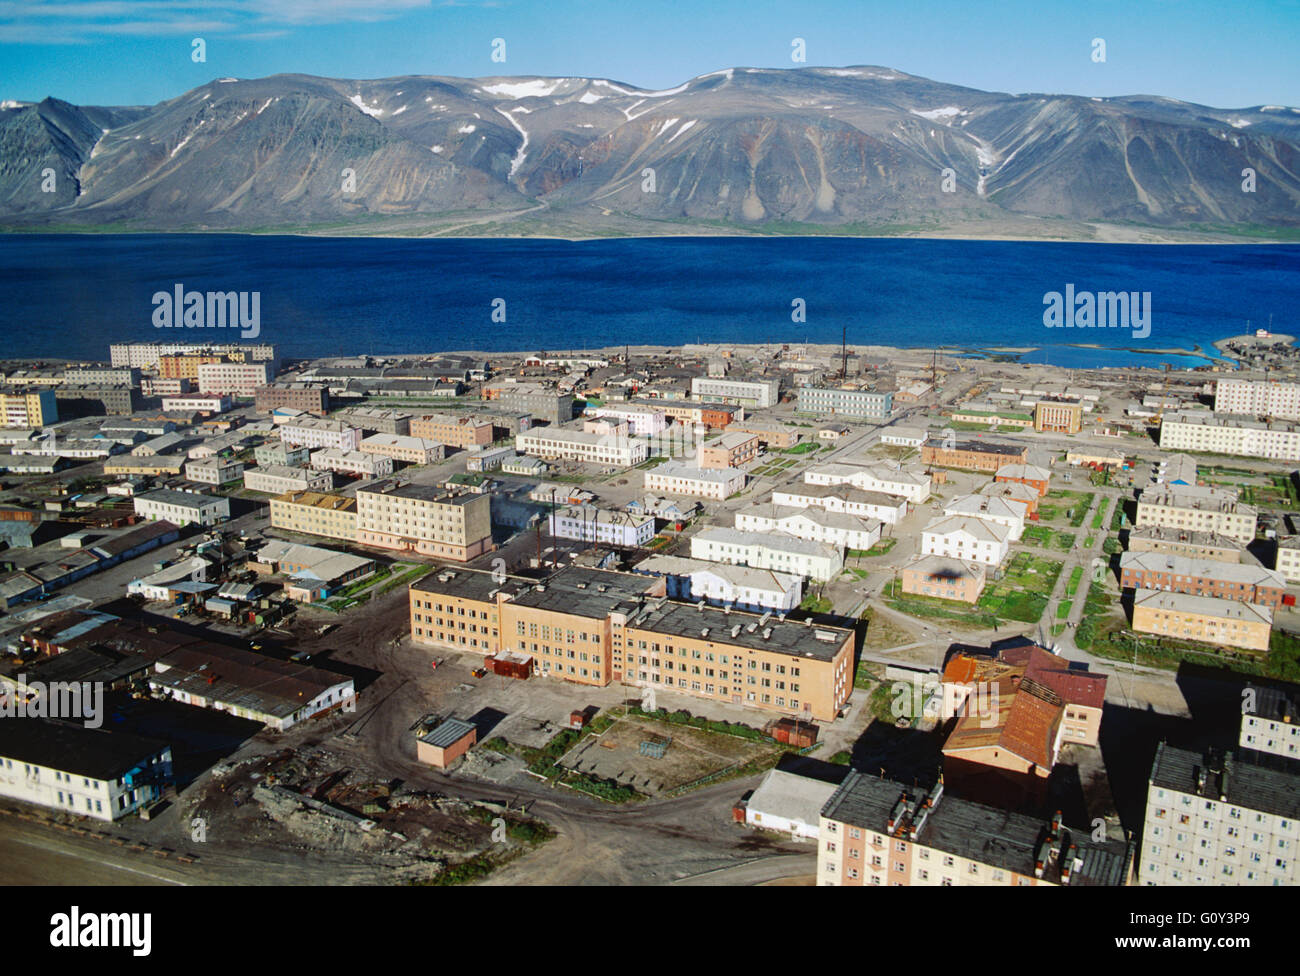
{"x": 710, "y": 614}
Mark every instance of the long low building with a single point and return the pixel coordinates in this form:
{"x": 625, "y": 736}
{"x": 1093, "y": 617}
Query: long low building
{"x": 360, "y": 463}
{"x": 1202, "y": 577}
{"x": 595, "y": 627}
{"x": 735, "y": 587}
{"x": 857, "y": 404}
{"x": 278, "y": 479}
{"x": 1197, "y": 509}
{"x": 769, "y": 550}
{"x": 1202, "y": 618}
{"x": 884, "y": 478}
{"x": 1185, "y": 542}
{"x": 890, "y": 509}
{"x": 679, "y": 478}
{"x": 1242, "y": 436}
{"x": 576, "y": 445}
{"x": 181, "y": 507}
{"x": 819, "y": 525}
{"x": 972, "y": 455}
{"x": 587, "y": 523}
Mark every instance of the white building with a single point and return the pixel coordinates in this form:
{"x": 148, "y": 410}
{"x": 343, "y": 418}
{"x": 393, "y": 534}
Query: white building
{"x": 768, "y": 550}
{"x": 990, "y": 508}
{"x": 750, "y": 393}
{"x": 890, "y": 509}
{"x": 181, "y": 507}
{"x": 276, "y": 479}
{"x": 912, "y": 485}
{"x": 313, "y": 432}
{"x": 575, "y": 445}
{"x": 214, "y": 403}
{"x": 642, "y": 421}
{"x": 1194, "y": 508}
{"x": 1269, "y": 720}
{"x": 159, "y": 585}
{"x": 788, "y": 804}
{"x": 587, "y": 523}
{"x": 351, "y": 462}
{"x": 1288, "y": 559}
{"x": 214, "y": 470}
{"x": 970, "y": 539}
{"x": 1259, "y": 398}
{"x": 680, "y": 478}
{"x": 1236, "y": 434}
{"x": 239, "y": 379}
{"x": 91, "y": 772}
{"x": 903, "y": 436}
{"x": 819, "y": 525}
{"x": 737, "y": 587}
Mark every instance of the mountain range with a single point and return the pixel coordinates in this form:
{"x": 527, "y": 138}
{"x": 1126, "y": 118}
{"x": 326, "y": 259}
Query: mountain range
{"x": 856, "y": 150}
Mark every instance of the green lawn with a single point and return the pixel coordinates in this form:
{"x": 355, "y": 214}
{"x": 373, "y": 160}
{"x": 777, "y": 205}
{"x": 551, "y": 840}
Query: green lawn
{"x": 1045, "y": 537}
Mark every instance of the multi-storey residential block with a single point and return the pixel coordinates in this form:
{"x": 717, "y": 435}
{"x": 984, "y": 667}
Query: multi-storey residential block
{"x": 858, "y": 404}
{"x": 89, "y": 772}
{"x": 102, "y": 376}
{"x": 680, "y": 478}
{"x": 1270, "y": 722}
{"x": 239, "y": 379}
{"x": 144, "y": 355}
{"x": 379, "y": 420}
{"x": 730, "y": 450}
{"x": 278, "y": 452}
{"x": 185, "y": 365}
{"x": 817, "y": 524}
{"x": 357, "y": 463}
{"x": 890, "y": 509}
{"x": 1058, "y": 416}
{"x": 214, "y": 470}
{"x": 532, "y": 399}
{"x": 455, "y": 431}
{"x": 734, "y": 587}
{"x": 966, "y": 539}
{"x": 312, "y": 398}
{"x": 1258, "y": 398}
{"x": 768, "y": 550}
{"x": 1219, "y": 819}
{"x": 403, "y": 447}
{"x": 642, "y": 421}
{"x": 181, "y": 507}
{"x": 945, "y": 578}
{"x": 974, "y": 455}
{"x": 212, "y": 403}
{"x": 316, "y": 513}
{"x": 709, "y": 415}
{"x": 96, "y": 401}
{"x": 1201, "y": 577}
{"x": 316, "y": 432}
{"x": 28, "y": 408}
{"x": 772, "y": 435}
{"x": 749, "y": 393}
{"x": 884, "y": 478}
{"x": 158, "y": 386}
{"x": 587, "y": 523}
{"x": 1243, "y": 436}
{"x": 574, "y": 445}
{"x": 426, "y": 520}
{"x": 1185, "y": 542}
{"x": 1196, "y": 509}
{"x": 1288, "y": 559}
{"x": 276, "y": 479}
{"x": 1202, "y": 618}
{"x": 877, "y": 832}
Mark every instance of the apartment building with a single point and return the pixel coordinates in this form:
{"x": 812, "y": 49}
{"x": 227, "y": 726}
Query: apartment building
{"x": 1244, "y": 582}
{"x": 1269, "y": 720}
{"x": 310, "y": 398}
{"x": 90, "y": 772}
{"x": 890, "y": 509}
{"x": 276, "y": 479}
{"x": 817, "y": 524}
{"x": 181, "y": 507}
{"x": 313, "y": 432}
{"x": 878, "y": 832}
{"x": 1023, "y": 497}
{"x": 1202, "y": 618}
{"x": 535, "y": 400}
{"x": 773, "y": 436}
{"x": 884, "y": 478}
{"x": 1288, "y": 559}
{"x": 973, "y": 455}
{"x": 403, "y": 447}
{"x": 1058, "y": 416}
{"x": 575, "y": 445}
{"x": 856, "y": 404}
{"x": 1185, "y": 542}
{"x": 903, "y": 436}
{"x": 96, "y": 401}
{"x": 30, "y": 409}
{"x": 1219, "y": 818}
{"x": 150, "y": 466}
{"x": 145, "y": 355}
{"x": 945, "y": 578}
{"x": 238, "y": 379}
{"x": 989, "y": 508}
{"x": 158, "y": 386}
{"x": 316, "y": 513}
{"x": 680, "y": 478}
{"x": 185, "y": 365}
{"x": 965, "y": 539}
{"x": 768, "y": 550}
{"x": 214, "y": 470}
{"x": 587, "y": 523}
{"x": 710, "y": 415}
{"x": 426, "y": 520}
{"x": 278, "y": 452}
{"x": 733, "y": 587}
{"x": 730, "y": 450}
{"x": 356, "y": 463}
{"x": 642, "y": 421}
{"x": 748, "y": 393}
{"x": 1258, "y": 398}
{"x": 102, "y": 376}
{"x": 1236, "y": 434}
{"x": 467, "y": 432}
{"x": 1197, "y": 509}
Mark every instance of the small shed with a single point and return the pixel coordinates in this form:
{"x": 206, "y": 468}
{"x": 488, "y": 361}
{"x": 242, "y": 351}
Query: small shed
{"x": 511, "y": 664}
{"x": 446, "y": 743}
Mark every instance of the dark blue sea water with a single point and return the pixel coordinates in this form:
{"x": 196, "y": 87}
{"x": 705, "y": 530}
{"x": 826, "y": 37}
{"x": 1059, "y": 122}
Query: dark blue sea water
{"x": 70, "y": 296}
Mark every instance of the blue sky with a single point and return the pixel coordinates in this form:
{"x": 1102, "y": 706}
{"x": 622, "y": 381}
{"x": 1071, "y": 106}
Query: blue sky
{"x": 138, "y": 51}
